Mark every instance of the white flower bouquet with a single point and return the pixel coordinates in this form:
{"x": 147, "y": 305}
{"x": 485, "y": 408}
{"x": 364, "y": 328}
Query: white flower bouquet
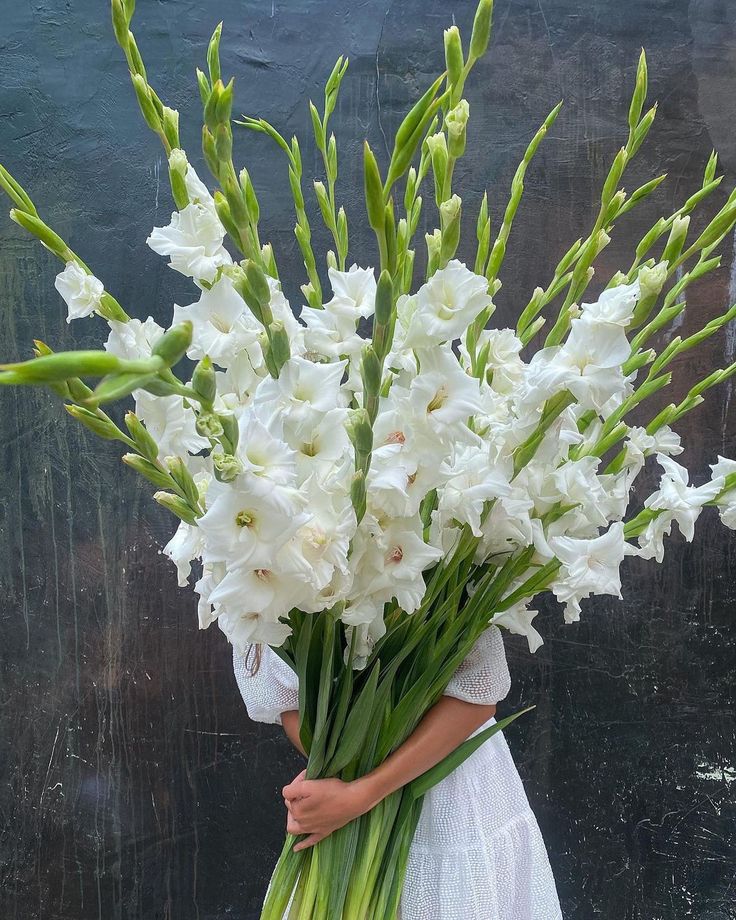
{"x": 368, "y": 487}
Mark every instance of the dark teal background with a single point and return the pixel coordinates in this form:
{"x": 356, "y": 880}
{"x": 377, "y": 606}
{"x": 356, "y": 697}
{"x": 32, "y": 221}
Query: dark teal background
{"x": 132, "y": 785}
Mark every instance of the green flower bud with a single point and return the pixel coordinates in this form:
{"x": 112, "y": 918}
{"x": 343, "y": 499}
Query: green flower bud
{"x": 226, "y": 218}
{"x": 45, "y": 234}
{"x": 437, "y": 145}
{"x": 450, "y": 212}
{"x": 204, "y": 87}
{"x": 332, "y": 157}
{"x": 640, "y": 92}
{"x": 319, "y": 131}
{"x": 383, "y": 315}
{"x": 296, "y": 190}
{"x": 225, "y": 101}
{"x": 324, "y": 202}
{"x": 651, "y": 282}
{"x": 209, "y": 151}
{"x": 342, "y": 231}
{"x": 457, "y": 122}
{"x": 230, "y": 432}
{"x": 64, "y": 364}
{"x": 178, "y": 166}
{"x": 412, "y": 131}
{"x": 15, "y": 191}
{"x": 117, "y": 386}
{"x": 208, "y": 425}
{"x": 258, "y": 283}
{"x": 641, "y": 131}
{"x": 170, "y": 124}
{"x": 454, "y": 61}
{"x": 177, "y": 506}
{"x": 100, "y": 424}
{"x": 249, "y": 194}
{"x": 373, "y": 187}
{"x": 213, "y": 54}
{"x": 481, "y": 33}
{"x": 147, "y": 107}
{"x": 237, "y": 211}
{"x": 120, "y": 22}
{"x": 279, "y": 344}
{"x": 147, "y": 469}
{"x": 370, "y": 369}
{"x": 227, "y": 467}
{"x": 269, "y": 260}
{"x": 204, "y": 382}
{"x": 172, "y": 346}
{"x": 358, "y": 428}
{"x": 610, "y": 186}
{"x": 142, "y": 437}
{"x": 676, "y": 239}
{"x": 183, "y": 478}
{"x": 358, "y": 494}
{"x": 223, "y": 143}
{"x": 331, "y": 259}
{"x": 434, "y": 243}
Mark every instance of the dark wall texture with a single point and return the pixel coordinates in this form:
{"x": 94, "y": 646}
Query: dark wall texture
{"x": 132, "y": 785}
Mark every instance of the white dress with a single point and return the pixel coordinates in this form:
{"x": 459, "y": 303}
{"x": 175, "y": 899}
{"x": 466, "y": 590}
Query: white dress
{"x": 477, "y": 853}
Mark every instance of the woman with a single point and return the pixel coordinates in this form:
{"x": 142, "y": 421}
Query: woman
{"x": 477, "y": 853}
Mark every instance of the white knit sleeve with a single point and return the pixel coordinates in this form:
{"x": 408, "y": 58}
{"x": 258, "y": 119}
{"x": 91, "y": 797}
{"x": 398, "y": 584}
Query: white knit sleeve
{"x": 273, "y": 689}
{"x": 483, "y": 677}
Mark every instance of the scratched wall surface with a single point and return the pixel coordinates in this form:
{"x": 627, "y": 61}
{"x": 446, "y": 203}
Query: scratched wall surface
{"x": 132, "y": 784}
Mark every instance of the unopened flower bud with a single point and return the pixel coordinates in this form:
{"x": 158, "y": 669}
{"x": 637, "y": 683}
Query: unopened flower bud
{"x": 453, "y": 54}
{"x": 228, "y": 467}
{"x": 208, "y": 425}
{"x": 457, "y": 122}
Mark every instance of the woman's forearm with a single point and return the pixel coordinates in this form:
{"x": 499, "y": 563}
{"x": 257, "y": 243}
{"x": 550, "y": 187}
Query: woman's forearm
{"x": 447, "y": 724}
{"x": 290, "y": 723}
{"x": 319, "y": 807}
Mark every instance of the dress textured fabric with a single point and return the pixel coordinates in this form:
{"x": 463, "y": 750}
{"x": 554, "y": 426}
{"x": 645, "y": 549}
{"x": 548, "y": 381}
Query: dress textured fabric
{"x": 478, "y": 853}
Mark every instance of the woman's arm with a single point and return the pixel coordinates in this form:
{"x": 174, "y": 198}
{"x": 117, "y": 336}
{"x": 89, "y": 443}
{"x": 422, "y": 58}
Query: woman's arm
{"x": 319, "y": 807}
{"x": 290, "y": 723}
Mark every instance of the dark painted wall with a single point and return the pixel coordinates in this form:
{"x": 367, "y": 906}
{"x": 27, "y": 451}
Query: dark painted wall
{"x": 131, "y": 783}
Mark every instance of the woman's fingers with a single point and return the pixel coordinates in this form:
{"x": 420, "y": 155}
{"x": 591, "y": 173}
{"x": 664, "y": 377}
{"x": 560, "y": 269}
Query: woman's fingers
{"x": 309, "y": 842}
{"x": 297, "y": 788}
{"x": 294, "y": 827}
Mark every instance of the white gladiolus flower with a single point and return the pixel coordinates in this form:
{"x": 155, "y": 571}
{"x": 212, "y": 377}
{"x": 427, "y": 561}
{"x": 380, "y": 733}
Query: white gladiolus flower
{"x": 518, "y": 619}
{"x": 389, "y": 558}
{"x": 354, "y": 297}
{"x": 443, "y": 308}
{"x": 442, "y": 395}
{"x": 271, "y": 592}
{"x": 185, "y": 546}
{"x": 263, "y": 454}
{"x": 223, "y": 326}
{"x": 249, "y": 521}
{"x": 472, "y": 481}
{"x": 304, "y": 392}
{"x": 81, "y": 291}
{"x": 503, "y": 358}
{"x": 212, "y": 575}
{"x": 679, "y": 501}
{"x": 615, "y": 305}
{"x": 193, "y": 243}
{"x": 588, "y": 567}
{"x": 133, "y": 340}
{"x": 170, "y": 423}
{"x": 243, "y": 629}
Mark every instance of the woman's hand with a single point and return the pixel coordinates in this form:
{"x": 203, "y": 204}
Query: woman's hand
{"x": 317, "y": 807}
